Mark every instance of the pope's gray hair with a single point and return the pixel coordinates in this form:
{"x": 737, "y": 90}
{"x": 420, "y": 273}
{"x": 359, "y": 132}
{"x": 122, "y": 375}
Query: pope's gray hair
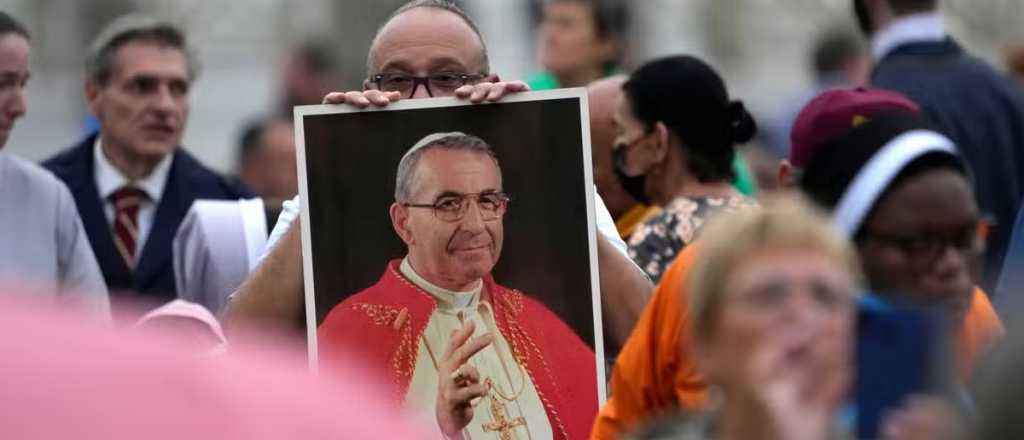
{"x": 454, "y": 140}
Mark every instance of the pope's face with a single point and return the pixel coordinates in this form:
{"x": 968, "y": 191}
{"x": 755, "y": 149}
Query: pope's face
{"x": 453, "y": 254}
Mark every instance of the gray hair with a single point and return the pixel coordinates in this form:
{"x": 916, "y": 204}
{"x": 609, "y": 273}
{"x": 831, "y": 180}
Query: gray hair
{"x": 452, "y": 141}
{"x": 443, "y": 5}
{"x": 99, "y": 61}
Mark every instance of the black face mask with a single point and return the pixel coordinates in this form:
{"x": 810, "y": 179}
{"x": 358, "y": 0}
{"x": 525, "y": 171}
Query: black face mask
{"x": 634, "y": 185}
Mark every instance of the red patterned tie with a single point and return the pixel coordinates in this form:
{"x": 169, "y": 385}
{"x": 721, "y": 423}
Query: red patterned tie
{"x": 126, "y": 222}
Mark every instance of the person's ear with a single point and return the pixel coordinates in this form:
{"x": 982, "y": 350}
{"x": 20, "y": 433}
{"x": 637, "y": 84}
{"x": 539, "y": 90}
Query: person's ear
{"x": 367, "y": 84}
{"x": 400, "y": 221}
{"x": 662, "y": 141}
{"x": 786, "y": 177}
{"x": 492, "y": 78}
{"x": 93, "y": 97}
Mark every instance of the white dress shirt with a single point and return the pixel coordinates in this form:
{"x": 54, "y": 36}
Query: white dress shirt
{"x": 921, "y": 27}
{"x": 110, "y": 179}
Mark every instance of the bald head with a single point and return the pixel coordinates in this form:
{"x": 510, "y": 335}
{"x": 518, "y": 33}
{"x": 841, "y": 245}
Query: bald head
{"x": 605, "y": 95}
{"x": 424, "y": 37}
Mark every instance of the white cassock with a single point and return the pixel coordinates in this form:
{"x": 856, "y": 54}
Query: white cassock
{"x": 217, "y": 244}
{"x": 514, "y": 388}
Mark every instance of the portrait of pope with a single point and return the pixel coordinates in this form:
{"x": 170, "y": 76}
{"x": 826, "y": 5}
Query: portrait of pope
{"x": 478, "y": 359}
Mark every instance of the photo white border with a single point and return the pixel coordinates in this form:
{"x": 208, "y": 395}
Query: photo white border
{"x": 411, "y": 104}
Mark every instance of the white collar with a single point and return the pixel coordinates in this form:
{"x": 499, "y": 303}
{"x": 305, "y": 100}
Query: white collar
{"x": 110, "y": 179}
{"x": 445, "y": 298}
{"x": 879, "y": 171}
{"x": 921, "y": 27}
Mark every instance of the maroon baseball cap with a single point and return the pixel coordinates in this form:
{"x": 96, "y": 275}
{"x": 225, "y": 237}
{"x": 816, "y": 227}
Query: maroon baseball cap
{"x": 835, "y": 112}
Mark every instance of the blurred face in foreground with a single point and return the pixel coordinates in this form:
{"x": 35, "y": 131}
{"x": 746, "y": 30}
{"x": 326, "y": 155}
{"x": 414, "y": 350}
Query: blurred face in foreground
{"x": 782, "y": 312}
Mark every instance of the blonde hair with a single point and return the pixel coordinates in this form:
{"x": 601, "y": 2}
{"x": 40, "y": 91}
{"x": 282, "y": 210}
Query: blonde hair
{"x": 784, "y": 222}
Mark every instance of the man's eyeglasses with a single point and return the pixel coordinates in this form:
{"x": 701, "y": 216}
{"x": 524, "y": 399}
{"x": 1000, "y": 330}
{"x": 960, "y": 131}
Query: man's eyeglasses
{"x": 924, "y": 249}
{"x": 443, "y": 83}
{"x": 453, "y": 207}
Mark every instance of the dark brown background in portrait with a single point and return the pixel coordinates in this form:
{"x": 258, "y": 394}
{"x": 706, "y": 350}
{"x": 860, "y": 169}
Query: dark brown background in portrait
{"x": 351, "y": 160}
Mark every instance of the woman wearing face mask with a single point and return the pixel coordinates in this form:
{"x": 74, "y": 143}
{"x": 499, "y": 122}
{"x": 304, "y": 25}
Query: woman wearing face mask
{"x": 676, "y": 131}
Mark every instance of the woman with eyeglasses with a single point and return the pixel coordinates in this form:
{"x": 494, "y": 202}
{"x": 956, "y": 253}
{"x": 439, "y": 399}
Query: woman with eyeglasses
{"x": 772, "y": 305}
{"x": 676, "y": 130}
{"x": 903, "y": 194}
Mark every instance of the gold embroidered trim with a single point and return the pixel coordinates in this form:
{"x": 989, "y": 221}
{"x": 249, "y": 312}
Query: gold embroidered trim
{"x": 513, "y": 305}
{"x": 517, "y": 336}
{"x": 389, "y": 316}
{"x": 410, "y": 361}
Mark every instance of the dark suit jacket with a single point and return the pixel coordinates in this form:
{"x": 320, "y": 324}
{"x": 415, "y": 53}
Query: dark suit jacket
{"x": 980, "y": 110}
{"x": 187, "y": 181}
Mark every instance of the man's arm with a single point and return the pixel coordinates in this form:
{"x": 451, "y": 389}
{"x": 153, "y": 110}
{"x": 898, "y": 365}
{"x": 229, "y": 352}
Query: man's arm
{"x": 623, "y": 286}
{"x": 272, "y": 295}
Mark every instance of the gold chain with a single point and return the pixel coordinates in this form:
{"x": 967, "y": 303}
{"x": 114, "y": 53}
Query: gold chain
{"x": 522, "y": 386}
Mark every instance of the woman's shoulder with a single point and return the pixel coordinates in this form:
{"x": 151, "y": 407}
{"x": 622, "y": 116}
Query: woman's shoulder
{"x": 686, "y": 207}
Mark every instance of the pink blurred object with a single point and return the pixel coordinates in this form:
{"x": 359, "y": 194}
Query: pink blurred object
{"x": 190, "y": 321}
{"x": 64, "y": 378}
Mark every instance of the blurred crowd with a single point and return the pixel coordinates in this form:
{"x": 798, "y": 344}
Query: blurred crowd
{"x": 848, "y": 266}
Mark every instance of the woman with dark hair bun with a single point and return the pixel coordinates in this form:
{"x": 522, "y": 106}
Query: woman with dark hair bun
{"x": 676, "y": 132}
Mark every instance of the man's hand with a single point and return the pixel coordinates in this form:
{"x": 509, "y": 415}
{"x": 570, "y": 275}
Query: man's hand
{"x": 475, "y": 93}
{"x": 459, "y": 383}
{"x": 490, "y": 91}
{"x": 362, "y": 99}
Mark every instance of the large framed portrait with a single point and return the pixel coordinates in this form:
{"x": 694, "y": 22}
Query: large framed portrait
{"x": 448, "y": 244}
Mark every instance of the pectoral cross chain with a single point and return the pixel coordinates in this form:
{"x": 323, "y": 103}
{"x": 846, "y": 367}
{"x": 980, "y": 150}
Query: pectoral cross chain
{"x": 501, "y": 423}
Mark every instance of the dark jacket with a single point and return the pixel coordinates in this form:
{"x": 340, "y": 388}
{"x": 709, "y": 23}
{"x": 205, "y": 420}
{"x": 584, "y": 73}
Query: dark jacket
{"x": 982, "y": 112}
{"x": 187, "y": 181}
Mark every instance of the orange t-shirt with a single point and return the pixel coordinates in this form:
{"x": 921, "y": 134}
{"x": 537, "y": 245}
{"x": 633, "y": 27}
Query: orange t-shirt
{"x": 654, "y": 374}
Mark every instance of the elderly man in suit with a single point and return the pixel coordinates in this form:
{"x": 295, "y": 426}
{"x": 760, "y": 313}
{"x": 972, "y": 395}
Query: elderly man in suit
{"x": 132, "y": 181}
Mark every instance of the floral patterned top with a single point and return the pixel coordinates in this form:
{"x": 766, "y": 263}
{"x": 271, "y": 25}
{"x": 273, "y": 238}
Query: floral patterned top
{"x": 656, "y": 243}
